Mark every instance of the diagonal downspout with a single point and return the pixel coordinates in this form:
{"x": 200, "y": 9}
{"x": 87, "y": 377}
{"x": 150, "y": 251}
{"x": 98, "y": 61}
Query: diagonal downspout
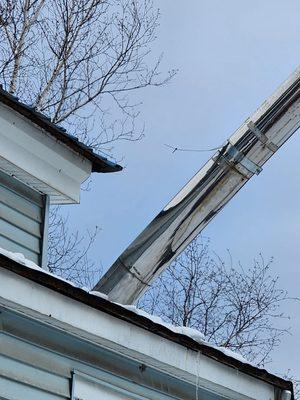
{"x": 205, "y": 195}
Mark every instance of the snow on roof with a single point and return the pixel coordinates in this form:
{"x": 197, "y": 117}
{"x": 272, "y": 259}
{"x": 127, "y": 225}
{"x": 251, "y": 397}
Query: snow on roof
{"x": 183, "y": 330}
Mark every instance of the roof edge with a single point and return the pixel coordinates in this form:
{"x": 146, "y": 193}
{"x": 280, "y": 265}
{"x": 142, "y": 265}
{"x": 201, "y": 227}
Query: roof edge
{"x": 103, "y": 305}
{"x": 99, "y": 163}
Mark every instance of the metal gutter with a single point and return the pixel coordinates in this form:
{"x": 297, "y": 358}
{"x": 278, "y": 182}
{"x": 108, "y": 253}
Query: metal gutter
{"x": 242, "y": 157}
{"x": 117, "y": 311}
{"x": 99, "y": 163}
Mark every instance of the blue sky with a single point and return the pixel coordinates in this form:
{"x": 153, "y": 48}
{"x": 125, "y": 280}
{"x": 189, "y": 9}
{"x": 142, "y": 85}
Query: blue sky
{"x": 231, "y": 55}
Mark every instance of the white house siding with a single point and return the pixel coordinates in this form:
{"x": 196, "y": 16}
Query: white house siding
{"x": 22, "y": 218}
{"x": 22, "y": 376}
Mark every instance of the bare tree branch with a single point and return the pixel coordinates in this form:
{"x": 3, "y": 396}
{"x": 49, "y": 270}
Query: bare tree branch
{"x": 234, "y": 307}
{"x": 78, "y": 61}
{"x": 73, "y": 58}
{"x": 68, "y": 253}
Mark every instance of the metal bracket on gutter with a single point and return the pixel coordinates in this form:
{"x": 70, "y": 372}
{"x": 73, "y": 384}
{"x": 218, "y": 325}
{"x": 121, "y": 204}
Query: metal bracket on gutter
{"x": 236, "y": 158}
{"x": 262, "y": 137}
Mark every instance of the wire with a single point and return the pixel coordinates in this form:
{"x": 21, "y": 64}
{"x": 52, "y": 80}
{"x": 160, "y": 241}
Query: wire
{"x": 191, "y": 150}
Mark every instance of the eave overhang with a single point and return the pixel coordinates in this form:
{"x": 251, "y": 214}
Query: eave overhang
{"x": 66, "y": 289}
{"x": 99, "y": 163}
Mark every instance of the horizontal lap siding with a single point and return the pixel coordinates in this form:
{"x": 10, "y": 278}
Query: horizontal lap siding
{"x": 13, "y": 390}
{"x": 21, "y": 218}
{"x": 22, "y": 379}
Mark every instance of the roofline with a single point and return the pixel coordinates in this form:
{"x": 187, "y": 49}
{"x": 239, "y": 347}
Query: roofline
{"x": 103, "y": 305}
{"x": 99, "y": 163}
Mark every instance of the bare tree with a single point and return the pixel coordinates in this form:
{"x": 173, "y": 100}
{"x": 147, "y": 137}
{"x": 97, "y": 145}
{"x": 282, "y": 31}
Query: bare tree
{"x": 234, "y": 307}
{"x": 71, "y": 58}
{"x": 68, "y": 252}
{"x": 78, "y": 61}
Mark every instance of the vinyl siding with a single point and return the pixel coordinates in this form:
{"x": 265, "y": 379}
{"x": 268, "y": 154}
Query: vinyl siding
{"x": 22, "y": 216}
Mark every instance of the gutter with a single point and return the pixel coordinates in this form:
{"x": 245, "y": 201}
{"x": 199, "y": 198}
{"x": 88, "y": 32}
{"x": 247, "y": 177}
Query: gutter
{"x": 99, "y": 163}
{"x": 119, "y": 312}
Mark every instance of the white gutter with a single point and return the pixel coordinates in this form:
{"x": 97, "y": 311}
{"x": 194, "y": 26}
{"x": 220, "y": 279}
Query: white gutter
{"x": 48, "y": 307}
{"x": 205, "y": 195}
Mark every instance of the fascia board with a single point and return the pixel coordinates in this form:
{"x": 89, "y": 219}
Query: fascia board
{"x": 40, "y": 161}
{"x": 117, "y": 335}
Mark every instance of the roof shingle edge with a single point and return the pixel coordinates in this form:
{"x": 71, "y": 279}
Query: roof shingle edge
{"x": 99, "y": 163}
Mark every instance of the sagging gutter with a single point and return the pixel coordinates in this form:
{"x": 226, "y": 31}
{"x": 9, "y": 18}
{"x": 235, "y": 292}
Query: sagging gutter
{"x": 117, "y": 311}
{"x": 205, "y": 195}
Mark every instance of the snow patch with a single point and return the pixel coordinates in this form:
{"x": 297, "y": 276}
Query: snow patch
{"x": 194, "y": 334}
{"x": 20, "y": 259}
{"x": 183, "y": 330}
{"x": 98, "y": 294}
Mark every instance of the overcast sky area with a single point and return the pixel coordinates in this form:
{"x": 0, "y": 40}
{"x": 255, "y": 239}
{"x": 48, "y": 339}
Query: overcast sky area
{"x": 231, "y": 56}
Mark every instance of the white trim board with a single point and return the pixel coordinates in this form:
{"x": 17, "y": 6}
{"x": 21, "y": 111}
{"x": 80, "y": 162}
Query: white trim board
{"x": 52, "y": 308}
{"x": 38, "y": 160}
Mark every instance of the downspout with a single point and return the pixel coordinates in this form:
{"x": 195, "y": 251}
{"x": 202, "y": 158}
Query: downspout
{"x": 286, "y": 395}
{"x": 242, "y": 157}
